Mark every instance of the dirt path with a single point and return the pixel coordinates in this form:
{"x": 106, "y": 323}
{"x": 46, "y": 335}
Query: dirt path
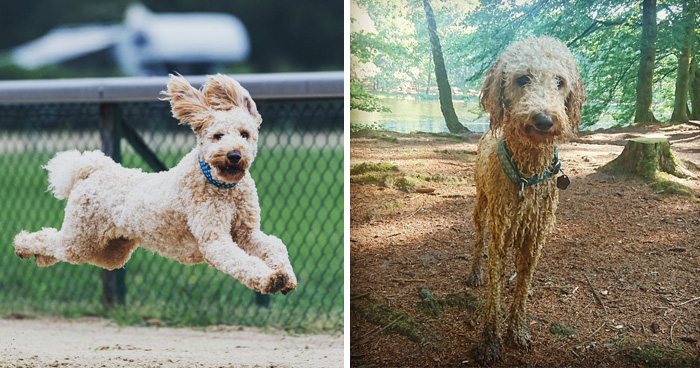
{"x": 94, "y": 342}
{"x": 638, "y": 248}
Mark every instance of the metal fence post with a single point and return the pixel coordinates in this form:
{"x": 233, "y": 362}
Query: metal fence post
{"x": 261, "y": 299}
{"x": 110, "y": 124}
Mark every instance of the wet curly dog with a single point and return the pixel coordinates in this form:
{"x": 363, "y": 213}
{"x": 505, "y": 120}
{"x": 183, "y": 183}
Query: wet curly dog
{"x": 205, "y": 209}
{"x": 533, "y": 94}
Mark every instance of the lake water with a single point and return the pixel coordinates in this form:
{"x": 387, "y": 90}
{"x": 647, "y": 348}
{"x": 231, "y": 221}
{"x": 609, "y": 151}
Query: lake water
{"x": 408, "y": 116}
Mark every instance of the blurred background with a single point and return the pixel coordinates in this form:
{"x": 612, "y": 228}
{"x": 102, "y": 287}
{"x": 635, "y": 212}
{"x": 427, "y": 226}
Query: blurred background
{"x": 82, "y": 38}
{"x": 54, "y": 96}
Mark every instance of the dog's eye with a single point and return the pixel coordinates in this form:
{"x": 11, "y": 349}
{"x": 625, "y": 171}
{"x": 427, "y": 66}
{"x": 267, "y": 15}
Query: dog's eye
{"x": 217, "y": 136}
{"x": 523, "y": 80}
{"x": 244, "y": 135}
{"x": 560, "y": 82}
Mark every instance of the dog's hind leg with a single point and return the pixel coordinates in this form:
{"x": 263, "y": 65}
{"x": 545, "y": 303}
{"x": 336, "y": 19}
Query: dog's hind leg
{"x": 475, "y": 278}
{"x": 114, "y": 253}
{"x": 40, "y": 244}
{"x": 526, "y": 258}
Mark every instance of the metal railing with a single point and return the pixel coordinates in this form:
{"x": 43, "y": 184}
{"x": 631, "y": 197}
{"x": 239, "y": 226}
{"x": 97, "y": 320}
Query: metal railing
{"x": 298, "y": 171}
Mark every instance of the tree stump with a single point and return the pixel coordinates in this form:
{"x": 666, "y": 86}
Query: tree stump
{"x": 646, "y": 158}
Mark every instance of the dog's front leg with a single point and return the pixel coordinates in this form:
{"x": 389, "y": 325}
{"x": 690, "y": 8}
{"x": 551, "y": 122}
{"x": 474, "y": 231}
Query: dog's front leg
{"x": 220, "y": 251}
{"x": 273, "y": 252}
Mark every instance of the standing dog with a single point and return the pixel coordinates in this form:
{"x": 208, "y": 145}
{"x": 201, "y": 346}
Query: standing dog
{"x": 205, "y": 209}
{"x": 533, "y": 94}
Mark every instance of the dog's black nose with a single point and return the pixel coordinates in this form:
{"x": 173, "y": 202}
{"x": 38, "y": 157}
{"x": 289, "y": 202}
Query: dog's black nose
{"x": 543, "y": 121}
{"x": 233, "y": 157}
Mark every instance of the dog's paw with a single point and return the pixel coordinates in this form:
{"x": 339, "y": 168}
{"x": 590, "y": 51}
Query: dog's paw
{"x": 475, "y": 279}
{"x": 519, "y": 338}
{"x": 18, "y": 242}
{"x": 276, "y": 282}
{"x": 291, "y": 285}
{"x": 489, "y": 351}
{"x": 22, "y": 254}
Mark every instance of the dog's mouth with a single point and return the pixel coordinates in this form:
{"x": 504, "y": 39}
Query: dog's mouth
{"x": 230, "y": 170}
{"x": 231, "y": 173}
{"x": 533, "y": 132}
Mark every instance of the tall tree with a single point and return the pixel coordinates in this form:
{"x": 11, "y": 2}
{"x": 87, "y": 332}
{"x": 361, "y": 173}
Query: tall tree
{"x": 680, "y": 104}
{"x": 645, "y": 76}
{"x": 444, "y": 90}
{"x": 694, "y": 89}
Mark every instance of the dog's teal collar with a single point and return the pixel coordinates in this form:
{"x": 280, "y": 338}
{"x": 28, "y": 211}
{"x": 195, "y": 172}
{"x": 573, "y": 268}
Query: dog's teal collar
{"x": 513, "y": 174}
{"x": 207, "y": 174}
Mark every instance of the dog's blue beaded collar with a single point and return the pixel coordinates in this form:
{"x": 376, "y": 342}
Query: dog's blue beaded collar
{"x": 514, "y": 175}
{"x": 206, "y": 169}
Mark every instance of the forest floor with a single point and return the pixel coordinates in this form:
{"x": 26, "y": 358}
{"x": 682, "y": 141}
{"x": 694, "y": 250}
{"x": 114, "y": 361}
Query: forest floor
{"x": 618, "y": 283}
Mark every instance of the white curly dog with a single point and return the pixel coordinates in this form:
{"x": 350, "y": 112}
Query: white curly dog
{"x": 205, "y": 209}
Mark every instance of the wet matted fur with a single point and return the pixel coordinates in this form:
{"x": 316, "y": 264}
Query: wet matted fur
{"x": 534, "y": 80}
{"x": 178, "y": 213}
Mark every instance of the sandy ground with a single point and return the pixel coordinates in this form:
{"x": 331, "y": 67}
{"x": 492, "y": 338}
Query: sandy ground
{"x": 95, "y": 342}
{"x": 636, "y": 249}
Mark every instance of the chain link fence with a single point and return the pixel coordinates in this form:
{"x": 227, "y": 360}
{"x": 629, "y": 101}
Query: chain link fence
{"x": 298, "y": 172}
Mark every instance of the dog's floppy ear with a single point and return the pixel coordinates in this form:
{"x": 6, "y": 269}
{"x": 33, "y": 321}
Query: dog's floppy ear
{"x": 224, "y": 93}
{"x": 492, "y": 98}
{"x": 574, "y": 102}
{"x": 189, "y": 105}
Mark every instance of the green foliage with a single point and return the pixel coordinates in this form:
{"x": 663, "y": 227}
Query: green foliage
{"x": 363, "y": 101}
{"x": 604, "y": 36}
{"x": 358, "y": 127}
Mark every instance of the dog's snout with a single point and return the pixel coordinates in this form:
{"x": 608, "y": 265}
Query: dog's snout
{"x": 233, "y": 157}
{"x": 543, "y": 121}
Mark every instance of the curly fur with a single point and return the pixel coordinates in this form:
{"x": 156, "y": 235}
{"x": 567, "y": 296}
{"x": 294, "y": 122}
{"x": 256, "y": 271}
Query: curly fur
{"x": 111, "y": 209}
{"x": 554, "y": 88}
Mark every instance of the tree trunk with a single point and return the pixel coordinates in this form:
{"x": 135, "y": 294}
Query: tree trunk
{"x": 448, "y": 110}
{"x": 430, "y": 74}
{"x": 646, "y": 158}
{"x": 694, "y": 79}
{"x": 680, "y": 102}
{"x": 643, "y": 112}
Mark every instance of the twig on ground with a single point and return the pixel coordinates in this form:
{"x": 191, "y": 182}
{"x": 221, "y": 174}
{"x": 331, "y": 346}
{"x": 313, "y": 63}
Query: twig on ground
{"x": 671, "y": 332}
{"x": 408, "y": 280}
{"x": 416, "y": 211}
{"x": 594, "y": 332}
{"x": 595, "y": 295}
{"x": 374, "y": 333}
{"x": 687, "y": 301}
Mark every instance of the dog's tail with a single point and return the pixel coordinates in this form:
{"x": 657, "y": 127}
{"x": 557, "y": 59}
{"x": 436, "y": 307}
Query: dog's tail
{"x": 69, "y": 167}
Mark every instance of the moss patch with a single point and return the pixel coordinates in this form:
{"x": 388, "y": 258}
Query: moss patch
{"x": 398, "y": 321}
{"x": 458, "y": 154}
{"x": 466, "y": 300}
{"x": 560, "y": 329}
{"x": 387, "y": 138}
{"x": 663, "y": 183}
{"x": 379, "y": 167}
{"x": 461, "y": 300}
{"x": 656, "y": 356}
{"x": 384, "y": 174}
